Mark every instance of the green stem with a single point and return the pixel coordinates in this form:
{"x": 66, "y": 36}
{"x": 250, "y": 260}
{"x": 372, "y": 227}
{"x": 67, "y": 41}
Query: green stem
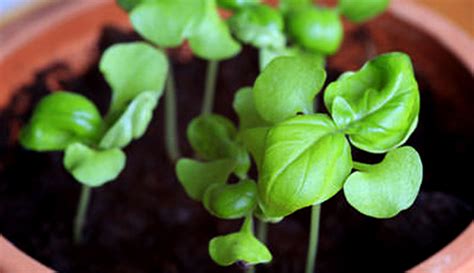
{"x": 171, "y": 120}
{"x": 262, "y": 231}
{"x": 313, "y": 239}
{"x": 210, "y": 87}
{"x": 81, "y": 213}
{"x": 361, "y": 166}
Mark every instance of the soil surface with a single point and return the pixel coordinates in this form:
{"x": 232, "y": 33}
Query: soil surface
{"x": 144, "y": 222}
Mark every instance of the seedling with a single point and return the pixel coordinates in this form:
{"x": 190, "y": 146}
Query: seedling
{"x": 167, "y": 24}
{"x": 304, "y": 158}
{"x": 92, "y": 144}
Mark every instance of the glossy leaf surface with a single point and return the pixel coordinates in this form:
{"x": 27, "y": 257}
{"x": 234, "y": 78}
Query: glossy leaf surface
{"x": 197, "y": 176}
{"x": 316, "y": 29}
{"x": 60, "y": 119}
{"x": 231, "y": 201}
{"x": 239, "y": 246}
{"x": 266, "y": 55}
{"x": 362, "y": 10}
{"x": 130, "y": 69}
{"x": 259, "y": 25}
{"x": 133, "y": 122}
{"x": 306, "y": 162}
{"x": 378, "y": 105}
{"x": 383, "y": 190}
{"x": 91, "y": 167}
{"x": 287, "y": 86}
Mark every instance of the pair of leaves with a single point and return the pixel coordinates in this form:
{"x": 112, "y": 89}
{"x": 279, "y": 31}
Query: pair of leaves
{"x": 168, "y": 22}
{"x": 70, "y": 122}
{"x": 239, "y": 246}
{"x": 307, "y": 159}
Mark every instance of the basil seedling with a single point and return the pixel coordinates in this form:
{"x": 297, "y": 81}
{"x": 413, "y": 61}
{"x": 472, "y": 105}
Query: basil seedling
{"x": 69, "y": 122}
{"x": 304, "y": 158}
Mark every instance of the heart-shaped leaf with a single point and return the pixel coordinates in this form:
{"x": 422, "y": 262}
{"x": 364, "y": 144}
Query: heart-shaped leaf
{"x": 383, "y": 190}
{"x": 130, "y": 69}
{"x": 362, "y": 10}
{"x": 133, "y": 122}
{"x": 287, "y": 86}
{"x": 231, "y": 201}
{"x": 91, "y": 167}
{"x": 60, "y": 119}
{"x": 197, "y": 176}
{"x": 239, "y": 246}
{"x": 306, "y": 162}
{"x": 378, "y": 105}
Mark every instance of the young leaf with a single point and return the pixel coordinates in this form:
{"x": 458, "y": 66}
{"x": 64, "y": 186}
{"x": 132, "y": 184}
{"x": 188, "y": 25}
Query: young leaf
{"x": 259, "y": 25}
{"x": 130, "y": 69}
{"x": 231, "y": 201}
{"x": 266, "y": 55}
{"x": 244, "y": 106}
{"x": 93, "y": 168}
{"x": 133, "y": 122}
{"x": 306, "y": 162}
{"x": 378, "y": 105}
{"x": 287, "y": 86}
{"x": 236, "y": 4}
{"x": 254, "y": 141}
{"x": 239, "y": 246}
{"x": 60, "y": 119}
{"x": 211, "y": 39}
{"x": 293, "y": 5}
{"x": 317, "y": 29}
{"x": 362, "y": 10}
{"x": 167, "y": 22}
{"x": 197, "y": 176}
{"x": 383, "y": 190}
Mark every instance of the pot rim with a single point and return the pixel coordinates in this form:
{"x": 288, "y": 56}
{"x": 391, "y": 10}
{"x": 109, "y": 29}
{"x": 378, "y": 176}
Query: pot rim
{"x": 456, "y": 257}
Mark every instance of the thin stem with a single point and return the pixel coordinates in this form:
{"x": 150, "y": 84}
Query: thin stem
{"x": 210, "y": 87}
{"x": 171, "y": 120}
{"x": 81, "y": 213}
{"x": 361, "y": 166}
{"x": 313, "y": 239}
{"x": 262, "y": 231}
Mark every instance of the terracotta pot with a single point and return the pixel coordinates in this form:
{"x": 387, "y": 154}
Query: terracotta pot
{"x": 68, "y": 32}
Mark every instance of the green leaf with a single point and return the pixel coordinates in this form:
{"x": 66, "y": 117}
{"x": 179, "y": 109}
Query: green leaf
{"x": 317, "y": 29}
{"x": 244, "y": 105}
{"x": 362, "y": 10}
{"x": 197, "y": 176}
{"x": 214, "y": 137}
{"x": 383, "y": 190}
{"x": 378, "y": 105}
{"x": 287, "y": 86}
{"x": 239, "y": 246}
{"x": 266, "y": 55}
{"x": 167, "y": 23}
{"x": 133, "y": 122}
{"x": 93, "y": 168}
{"x": 254, "y": 141}
{"x": 211, "y": 39}
{"x": 59, "y": 119}
{"x": 231, "y": 201}
{"x": 293, "y": 5}
{"x": 236, "y": 4}
{"x": 128, "y": 5}
{"x": 306, "y": 162}
{"x": 259, "y": 25}
{"x": 130, "y": 69}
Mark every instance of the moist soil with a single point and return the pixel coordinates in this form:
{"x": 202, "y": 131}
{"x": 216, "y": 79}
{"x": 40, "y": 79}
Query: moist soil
{"x": 144, "y": 222}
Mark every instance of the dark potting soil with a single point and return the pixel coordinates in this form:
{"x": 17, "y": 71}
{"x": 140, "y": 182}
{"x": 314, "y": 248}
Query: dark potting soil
{"x": 144, "y": 222}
